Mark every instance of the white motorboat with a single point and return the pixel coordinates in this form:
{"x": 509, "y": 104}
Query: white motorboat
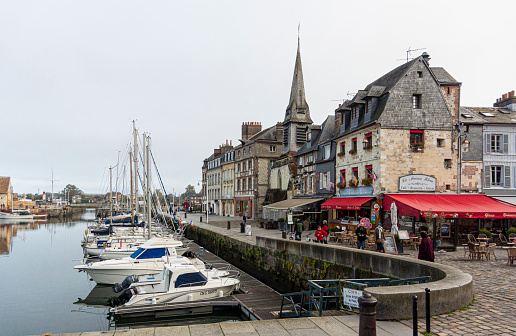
{"x": 147, "y": 262}
{"x": 122, "y": 248}
{"x": 180, "y": 283}
{"x": 16, "y": 215}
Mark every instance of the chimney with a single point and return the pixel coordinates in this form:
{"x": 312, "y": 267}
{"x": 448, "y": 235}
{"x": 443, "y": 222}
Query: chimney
{"x": 507, "y": 101}
{"x": 249, "y": 129}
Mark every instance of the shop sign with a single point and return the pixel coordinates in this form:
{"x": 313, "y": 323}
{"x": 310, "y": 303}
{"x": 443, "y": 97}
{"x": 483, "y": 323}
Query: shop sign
{"x": 417, "y": 183}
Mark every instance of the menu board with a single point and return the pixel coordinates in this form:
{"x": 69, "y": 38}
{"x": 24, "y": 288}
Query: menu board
{"x": 445, "y": 230}
{"x": 403, "y": 234}
{"x": 390, "y": 244}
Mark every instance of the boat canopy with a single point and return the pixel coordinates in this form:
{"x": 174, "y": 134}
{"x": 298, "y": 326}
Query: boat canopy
{"x": 190, "y": 280}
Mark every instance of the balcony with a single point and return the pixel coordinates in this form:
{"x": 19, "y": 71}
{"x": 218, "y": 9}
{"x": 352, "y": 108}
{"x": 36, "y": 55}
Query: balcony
{"x": 358, "y": 191}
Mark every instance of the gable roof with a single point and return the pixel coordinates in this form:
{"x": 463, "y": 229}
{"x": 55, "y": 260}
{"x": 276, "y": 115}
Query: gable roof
{"x": 442, "y": 76}
{"x": 326, "y": 134}
{"x": 5, "y": 182}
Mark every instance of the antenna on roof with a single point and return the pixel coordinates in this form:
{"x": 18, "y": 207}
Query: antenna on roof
{"x": 342, "y": 99}
{"x": 408, "y": 54}
{"x": 351, "y": 94}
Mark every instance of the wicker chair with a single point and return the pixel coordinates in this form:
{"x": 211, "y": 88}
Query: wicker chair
{"x": 491, "y": 251}
{"x": 502, "y": 239}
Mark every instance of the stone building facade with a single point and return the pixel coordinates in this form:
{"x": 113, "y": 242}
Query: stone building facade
{"x": 6, "y": 193}
{"x": 252, "y": 167}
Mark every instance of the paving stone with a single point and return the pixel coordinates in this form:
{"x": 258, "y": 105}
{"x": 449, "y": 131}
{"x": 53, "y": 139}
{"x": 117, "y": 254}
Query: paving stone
{"x": 176, "y": 331}
{"x": 135, "y": 332}
{"x": 269, "y": 328}
{"x": 211, "y": 329}
{"x": 232, "y": 328}
{"x": 332, "y": 326}
{"x": 98, "y": 333}
{"x": 296, "y": 323}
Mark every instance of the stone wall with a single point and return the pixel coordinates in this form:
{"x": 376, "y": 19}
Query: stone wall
{"x": 399, "y": 159}
{"x": 286, "y": 265}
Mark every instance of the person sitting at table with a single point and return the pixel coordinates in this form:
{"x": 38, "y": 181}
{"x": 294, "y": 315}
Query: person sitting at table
{"x": 320, "y": 234}
{"x": 426, "y": 250}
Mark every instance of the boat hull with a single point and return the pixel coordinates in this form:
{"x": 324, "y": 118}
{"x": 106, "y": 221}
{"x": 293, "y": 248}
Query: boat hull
{"x": 186, "y": 294}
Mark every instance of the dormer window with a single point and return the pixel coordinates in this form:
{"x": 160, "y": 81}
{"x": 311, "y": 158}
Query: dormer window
{"x": 354, "y": 113}
{"x": 309, "y": 136}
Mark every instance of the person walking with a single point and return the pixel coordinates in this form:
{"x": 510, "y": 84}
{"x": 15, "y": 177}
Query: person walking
{"x": 361, "y": 233}
{"x": 320, "y": 234}
{"x": 379, "y": 235}
{"x": 299, "y": 230}
{"x": 426, "y": 250}
{"x": 326, "y": 229}
{"x": 244, "y": 218}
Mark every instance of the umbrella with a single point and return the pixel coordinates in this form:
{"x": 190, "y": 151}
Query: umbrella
{"x": 394, "y": 218}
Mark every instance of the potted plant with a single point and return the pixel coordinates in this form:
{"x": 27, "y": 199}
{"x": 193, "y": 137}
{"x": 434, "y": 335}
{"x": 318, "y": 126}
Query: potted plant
{"x": 511, "y": 230}
{"x": 341, "y": 154}
{"x": 487, "y": 233}
{"x": 352, "y": 151}
{"x": 352, "y": 184}
{"x": 339, "y": 185}
{"x": 417, "y": 146}
{"x": 367, "y": 181}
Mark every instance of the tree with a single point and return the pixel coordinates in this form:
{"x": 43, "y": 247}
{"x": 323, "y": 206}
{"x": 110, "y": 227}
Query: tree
{"x": 70, "y": 190}
{"x": 189, "y": 191}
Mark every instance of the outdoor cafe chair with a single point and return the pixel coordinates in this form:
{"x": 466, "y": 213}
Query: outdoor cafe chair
{"x": 473, "y": 251}
{"x": 511, "y": 254}
{"x": 491, "y": 250}
{"x": 481, "y": 251}
{"x": 502, "y": 239}
{"x": 472, "y": 239}
{"x": 332, "y": 236}
{"x": 370, "y": 242}
{"x": 512, "y": 236}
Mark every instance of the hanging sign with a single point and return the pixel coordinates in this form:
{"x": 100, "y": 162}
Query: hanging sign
{"x": 417, "y": 183}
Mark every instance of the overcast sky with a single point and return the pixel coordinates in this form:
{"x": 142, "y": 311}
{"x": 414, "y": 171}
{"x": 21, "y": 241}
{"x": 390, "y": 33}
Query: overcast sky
{"x": 74, "y": 74}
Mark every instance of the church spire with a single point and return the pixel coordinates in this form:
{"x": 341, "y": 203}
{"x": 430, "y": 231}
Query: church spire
{"x": 297, "y": 109}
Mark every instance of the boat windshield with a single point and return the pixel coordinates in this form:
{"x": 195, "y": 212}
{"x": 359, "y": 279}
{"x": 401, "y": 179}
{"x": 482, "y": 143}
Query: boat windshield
{"x": 137, "y": 253}
{"x": 149, "y": 253}
{"x": 191, "y": 279}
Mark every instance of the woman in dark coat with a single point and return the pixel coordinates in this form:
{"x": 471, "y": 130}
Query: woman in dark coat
{"x": 426, "y": 250}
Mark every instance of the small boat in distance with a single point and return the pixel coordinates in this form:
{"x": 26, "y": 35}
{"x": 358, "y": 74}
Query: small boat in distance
{"x": 16, "y": 215}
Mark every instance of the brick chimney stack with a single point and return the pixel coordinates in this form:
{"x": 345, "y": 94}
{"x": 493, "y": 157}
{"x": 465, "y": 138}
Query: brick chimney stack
{"x": 250, "y": 128}
{"x": 508, "y": 101}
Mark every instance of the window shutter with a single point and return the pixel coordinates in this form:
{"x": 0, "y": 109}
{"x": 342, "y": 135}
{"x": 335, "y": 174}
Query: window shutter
{"x": 487, "y": 177}
{"x": 506, "y": 143}
{"x": 487, "y": 144}
{"x": 507, "y": 177}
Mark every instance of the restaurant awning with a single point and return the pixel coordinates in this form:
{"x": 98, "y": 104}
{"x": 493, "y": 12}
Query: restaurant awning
{"x": 449, "y": 206}
{"x": 292, "y": 203}
{"x": 346, "y": 203}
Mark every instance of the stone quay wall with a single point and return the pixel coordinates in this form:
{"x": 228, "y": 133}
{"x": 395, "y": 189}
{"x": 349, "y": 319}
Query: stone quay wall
{"x": 287, "y": 265}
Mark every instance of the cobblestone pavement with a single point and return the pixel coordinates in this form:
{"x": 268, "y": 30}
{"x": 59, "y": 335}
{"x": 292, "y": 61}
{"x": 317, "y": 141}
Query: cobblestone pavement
{"x": 493, "y": 311}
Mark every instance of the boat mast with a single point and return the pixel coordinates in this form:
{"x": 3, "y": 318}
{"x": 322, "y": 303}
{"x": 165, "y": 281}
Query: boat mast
{"x": 110, "y": 197}
{"x": 131, "y": 174}
{"x": 135, "y": 167}
{"x": 148, "y": 189}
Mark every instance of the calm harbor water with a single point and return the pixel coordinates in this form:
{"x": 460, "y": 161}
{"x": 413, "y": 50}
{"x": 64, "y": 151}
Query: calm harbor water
{"x": 40, "y": 290}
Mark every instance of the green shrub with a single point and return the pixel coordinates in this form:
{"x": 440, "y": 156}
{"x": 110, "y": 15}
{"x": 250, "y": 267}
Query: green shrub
{"x": 487, "y": 233}
{"x": 511, "y": 230}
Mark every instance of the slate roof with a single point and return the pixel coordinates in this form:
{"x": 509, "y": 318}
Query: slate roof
{"x": 4, "y": 184}
{"x": 500, "y": 115}
{"x": 391, "y": 100}
{"x": 326, "y": 134}
{"x": 443, "y": 76}
{"x": 268, "y": 134}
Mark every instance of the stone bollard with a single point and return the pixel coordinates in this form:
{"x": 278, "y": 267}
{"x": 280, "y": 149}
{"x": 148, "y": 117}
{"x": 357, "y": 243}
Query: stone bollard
{"x": 367, "y": 322}
{"x": 229, "y": 225}
{"x": 185, "y": 214}
{"x": 200, "y": 219}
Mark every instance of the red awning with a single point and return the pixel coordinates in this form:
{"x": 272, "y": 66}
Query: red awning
{"x": 345, "y": 203}
{"x": 449, "y": 206}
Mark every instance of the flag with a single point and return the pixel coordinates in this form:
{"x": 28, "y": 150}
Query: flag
{"x": 355, "y": 179}
{"x": 374, "y": 176}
